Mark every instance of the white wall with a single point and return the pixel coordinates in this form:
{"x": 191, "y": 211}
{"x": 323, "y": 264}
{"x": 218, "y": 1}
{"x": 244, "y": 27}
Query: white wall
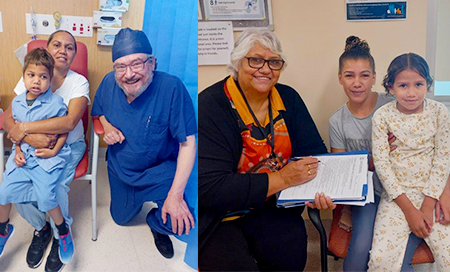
{"x": 443, "y": 42}
{"x": 313, "y": 35}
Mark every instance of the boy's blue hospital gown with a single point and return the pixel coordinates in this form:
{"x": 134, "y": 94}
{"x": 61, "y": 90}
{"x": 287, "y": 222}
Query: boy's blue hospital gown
{"x": 36, "y": 180}
{"x": 142, "y": 168}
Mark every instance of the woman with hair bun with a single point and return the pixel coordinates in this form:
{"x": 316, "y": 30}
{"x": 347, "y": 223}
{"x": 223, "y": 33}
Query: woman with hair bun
{"x": 351, "y": 130}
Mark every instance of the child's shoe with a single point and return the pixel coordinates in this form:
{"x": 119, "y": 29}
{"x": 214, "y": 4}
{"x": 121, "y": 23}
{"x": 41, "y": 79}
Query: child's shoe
{"x": 4, "y": 238}
{"x": 66, "y": 247}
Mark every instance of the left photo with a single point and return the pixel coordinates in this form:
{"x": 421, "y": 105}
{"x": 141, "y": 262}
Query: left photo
{"x": 98, "y": 136}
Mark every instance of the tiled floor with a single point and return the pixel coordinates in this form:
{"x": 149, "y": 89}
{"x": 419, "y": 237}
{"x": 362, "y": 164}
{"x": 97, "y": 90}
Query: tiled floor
{"x": 117, "y": 248}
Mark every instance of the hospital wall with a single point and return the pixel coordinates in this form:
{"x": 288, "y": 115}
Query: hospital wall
{"x": 313, "y": 35}
{"x": 14, "y": 35}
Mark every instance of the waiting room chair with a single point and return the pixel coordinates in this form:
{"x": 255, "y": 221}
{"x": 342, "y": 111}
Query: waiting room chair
{"x": 79, "y": 65}
{"x": 340, "y": 240}
{"x": 314, "y": 216}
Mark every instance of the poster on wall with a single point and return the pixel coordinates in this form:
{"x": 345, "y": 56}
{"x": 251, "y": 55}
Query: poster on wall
{"x": 215, "y": 43}
{"x": 369, "y": 10}
{"x": 217, "y": 10}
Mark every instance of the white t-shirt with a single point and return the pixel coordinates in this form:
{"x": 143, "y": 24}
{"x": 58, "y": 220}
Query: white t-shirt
{"x": 74, "y": 86}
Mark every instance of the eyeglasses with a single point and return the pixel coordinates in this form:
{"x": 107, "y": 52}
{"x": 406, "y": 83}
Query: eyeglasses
{"x": 135, "y": 66}
{"x": 258, "y": 63}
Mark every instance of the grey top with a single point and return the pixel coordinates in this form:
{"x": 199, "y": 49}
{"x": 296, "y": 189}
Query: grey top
{"x": 353, "y": 133}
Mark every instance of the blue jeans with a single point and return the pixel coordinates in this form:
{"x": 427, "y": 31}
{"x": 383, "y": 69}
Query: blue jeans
{"x": 30, "y": 211}
{"x": 363, "y": 221}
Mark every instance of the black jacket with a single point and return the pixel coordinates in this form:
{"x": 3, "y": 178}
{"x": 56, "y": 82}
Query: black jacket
{"x": 220, "y": 188}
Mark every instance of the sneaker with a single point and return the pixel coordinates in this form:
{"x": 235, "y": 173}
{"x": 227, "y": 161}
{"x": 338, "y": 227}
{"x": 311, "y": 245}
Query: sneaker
{"x": 5, "y": 238}
{"x": 39, "y": 244}
{"x": 53, "y": 263}
{"x": 163, "y": 244}
{"x": 66, "y": 247}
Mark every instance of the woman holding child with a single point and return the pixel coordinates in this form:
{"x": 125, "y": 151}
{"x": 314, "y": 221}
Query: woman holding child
{"x": 350, "y": 130}
{"x": 74, "y": 89}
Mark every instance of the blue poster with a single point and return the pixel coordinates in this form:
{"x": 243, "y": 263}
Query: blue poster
{"x": 360, "y": 10}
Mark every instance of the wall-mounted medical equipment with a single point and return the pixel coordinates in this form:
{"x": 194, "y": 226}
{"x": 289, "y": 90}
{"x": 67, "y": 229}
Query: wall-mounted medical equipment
{"x": 114, "y": 5}
{"x": 106, "y": 35}
{"x": 108, "y": 19}
{"x": 46, "y": 24}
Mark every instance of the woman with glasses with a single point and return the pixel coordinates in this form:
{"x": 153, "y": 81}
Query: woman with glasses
{"x": 249, "y": 127}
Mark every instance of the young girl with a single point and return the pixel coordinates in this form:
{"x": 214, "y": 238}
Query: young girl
{"x": 350, "y": 130}
{"x": 31, "y": 174}
{"x": 413, "y": 175}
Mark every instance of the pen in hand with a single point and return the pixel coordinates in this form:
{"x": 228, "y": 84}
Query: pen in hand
{"x": 299, "y": 159}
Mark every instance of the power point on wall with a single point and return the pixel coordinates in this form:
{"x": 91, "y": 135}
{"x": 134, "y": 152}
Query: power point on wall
{"x": 77, "y": 25}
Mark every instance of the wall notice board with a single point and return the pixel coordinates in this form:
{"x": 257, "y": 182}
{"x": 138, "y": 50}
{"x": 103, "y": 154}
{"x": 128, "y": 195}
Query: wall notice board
{"x": 242, "y": 13}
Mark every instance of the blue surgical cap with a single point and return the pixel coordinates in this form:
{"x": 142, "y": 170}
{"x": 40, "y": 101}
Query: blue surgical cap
{"x": 129, "y": 42}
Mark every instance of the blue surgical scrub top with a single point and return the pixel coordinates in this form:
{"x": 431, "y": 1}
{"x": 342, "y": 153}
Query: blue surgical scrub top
{"x": 46, "y": 106}
{"x": 153, "y": 125}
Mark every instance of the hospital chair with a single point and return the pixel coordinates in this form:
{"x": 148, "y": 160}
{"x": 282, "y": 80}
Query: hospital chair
{"x": 339, "y": 240}
{"x": 84, "y": 171}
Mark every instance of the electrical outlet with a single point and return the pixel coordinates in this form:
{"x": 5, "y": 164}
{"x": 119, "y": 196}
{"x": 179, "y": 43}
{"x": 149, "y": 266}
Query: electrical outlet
{"x": 45, "y": 24}
{"x": 76, "y": 24}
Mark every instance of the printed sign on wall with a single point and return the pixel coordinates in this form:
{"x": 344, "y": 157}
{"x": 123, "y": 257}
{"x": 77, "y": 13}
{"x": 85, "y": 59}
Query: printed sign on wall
{"x": 367, "y": 10}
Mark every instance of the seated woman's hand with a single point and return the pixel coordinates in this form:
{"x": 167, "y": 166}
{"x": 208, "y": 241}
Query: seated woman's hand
{"x": 17, "y": 132}
{"x": 300, "y": 171}
{"x": 41, "y": 140}
{"x": 321, "y": 202}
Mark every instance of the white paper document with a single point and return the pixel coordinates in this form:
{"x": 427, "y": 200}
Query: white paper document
{"x": 215, "y": 43}
{"x": 370, "y": 198}
{"x": 341, "y": 177}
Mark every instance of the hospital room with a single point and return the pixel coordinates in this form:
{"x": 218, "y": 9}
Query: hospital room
{"x": 148, "y": 222}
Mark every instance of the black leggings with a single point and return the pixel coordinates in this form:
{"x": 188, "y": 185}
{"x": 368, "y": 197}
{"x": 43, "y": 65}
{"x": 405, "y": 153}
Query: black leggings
{"x": 269, "y": 239}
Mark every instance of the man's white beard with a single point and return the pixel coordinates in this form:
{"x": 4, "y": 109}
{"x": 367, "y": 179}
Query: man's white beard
{"x": 141, "y": 89}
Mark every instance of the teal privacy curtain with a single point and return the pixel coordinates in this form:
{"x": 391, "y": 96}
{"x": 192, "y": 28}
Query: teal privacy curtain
{"x": 171, "y": 26}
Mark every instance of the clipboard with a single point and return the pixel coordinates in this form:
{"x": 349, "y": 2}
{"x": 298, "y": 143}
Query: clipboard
{"x": 326, "y": 182}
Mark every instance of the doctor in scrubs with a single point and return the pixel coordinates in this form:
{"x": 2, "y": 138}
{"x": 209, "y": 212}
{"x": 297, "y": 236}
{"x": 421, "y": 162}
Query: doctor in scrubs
{"x": 149, "y": 124}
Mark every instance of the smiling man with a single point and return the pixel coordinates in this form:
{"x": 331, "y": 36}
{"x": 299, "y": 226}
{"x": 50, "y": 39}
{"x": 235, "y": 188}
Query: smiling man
{"x": 149, "y": 123}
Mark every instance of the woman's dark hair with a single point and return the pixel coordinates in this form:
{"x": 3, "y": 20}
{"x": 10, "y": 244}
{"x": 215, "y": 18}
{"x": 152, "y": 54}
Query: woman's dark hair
{"x": 39, "y": 56}
{"x": 50, "y": 39}
{"x": 408, "y": 61}
{"x": 355, "y": 49}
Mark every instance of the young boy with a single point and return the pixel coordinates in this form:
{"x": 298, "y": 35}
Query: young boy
{"x": 31, "y": 174}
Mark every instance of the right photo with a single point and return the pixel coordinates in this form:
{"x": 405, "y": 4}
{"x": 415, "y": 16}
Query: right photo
{"x": 323, "y": 135}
